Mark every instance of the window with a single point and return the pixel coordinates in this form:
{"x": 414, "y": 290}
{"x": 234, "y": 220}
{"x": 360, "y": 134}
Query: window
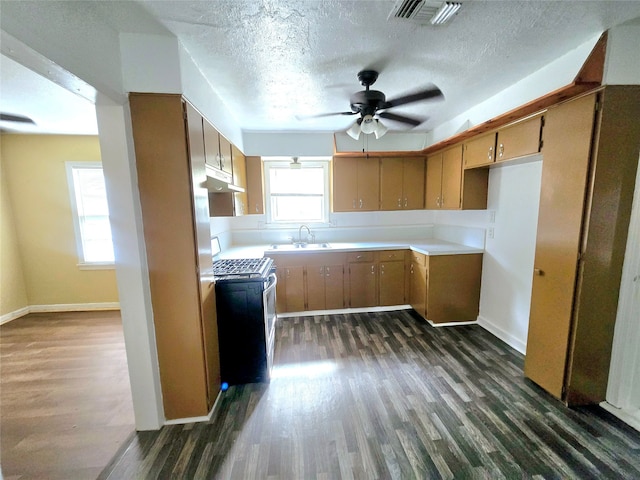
{"x": 90, "y": 213}
{"x": 297, "y": 195}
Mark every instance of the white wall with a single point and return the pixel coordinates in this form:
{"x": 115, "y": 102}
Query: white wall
{"x": 507, "y": 270}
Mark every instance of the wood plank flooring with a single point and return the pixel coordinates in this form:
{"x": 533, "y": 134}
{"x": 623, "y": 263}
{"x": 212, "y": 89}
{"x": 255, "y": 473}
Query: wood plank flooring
{"x": 65, "y": 399}
{"x": 386, "y": 396}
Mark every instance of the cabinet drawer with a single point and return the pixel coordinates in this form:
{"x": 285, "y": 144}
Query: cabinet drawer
{"x": 390, "y": 255}
{"x": 356, "y": 257}
{"x": 419, "y": 258}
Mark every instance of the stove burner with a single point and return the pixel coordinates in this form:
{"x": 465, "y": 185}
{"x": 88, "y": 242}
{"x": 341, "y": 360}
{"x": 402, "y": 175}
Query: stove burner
{"x": 242, "y": 268}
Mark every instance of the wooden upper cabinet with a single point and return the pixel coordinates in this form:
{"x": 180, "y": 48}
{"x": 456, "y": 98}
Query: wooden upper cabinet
{"x": 356, "y": 184}
{"x": 401, "y": 183}
{"x": 255, "y": 189}
{"x": 226, "y": 155}
{"x": 433, "y": 184}
{"x": 451, "y": 178}
{"x": 479, "y": 151}
{"x": 239, "y": 164}
{"x": 519, "y": 139}
{"x": 217, "y": 149}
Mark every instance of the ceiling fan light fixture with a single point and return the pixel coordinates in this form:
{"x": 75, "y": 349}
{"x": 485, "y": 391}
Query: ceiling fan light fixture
{"x": 354, "y": 131}
{"x": 380, "y": 130}
{"x": 295, "y": 164}
{"x": 368, "y": 125}
{"x": 445, "y": 13}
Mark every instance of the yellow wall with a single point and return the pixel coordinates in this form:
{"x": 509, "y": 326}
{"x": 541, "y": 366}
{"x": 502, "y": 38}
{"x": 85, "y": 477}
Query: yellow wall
{"x": 35, "y": 176}
{"x": 13, "y": 290}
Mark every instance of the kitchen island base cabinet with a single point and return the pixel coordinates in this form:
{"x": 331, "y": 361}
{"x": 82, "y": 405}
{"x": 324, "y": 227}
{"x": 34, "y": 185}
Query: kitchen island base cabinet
{"x": 446, "y": 288}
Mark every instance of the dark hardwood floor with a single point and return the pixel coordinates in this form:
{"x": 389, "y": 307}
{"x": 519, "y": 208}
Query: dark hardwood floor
{"x": 384, "y": 395}
{"x": 65, "y": 399}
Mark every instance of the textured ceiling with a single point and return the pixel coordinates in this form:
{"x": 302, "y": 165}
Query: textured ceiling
{"x": 272, "y": 61}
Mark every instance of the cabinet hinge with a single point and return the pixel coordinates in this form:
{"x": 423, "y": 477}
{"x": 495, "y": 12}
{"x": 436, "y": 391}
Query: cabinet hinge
{"x": 597, "y": 106}
{"x": 541, "y": 145}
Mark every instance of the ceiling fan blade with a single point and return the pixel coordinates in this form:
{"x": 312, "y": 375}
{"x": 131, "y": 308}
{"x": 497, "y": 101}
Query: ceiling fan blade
{"x": 7, "y": 117}
{"x": 401, "y": 118}
{"x": 429, "y": 93}
{"x": 320, "y": 115}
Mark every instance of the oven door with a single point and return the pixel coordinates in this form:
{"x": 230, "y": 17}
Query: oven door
{"x": 269, "y": 305}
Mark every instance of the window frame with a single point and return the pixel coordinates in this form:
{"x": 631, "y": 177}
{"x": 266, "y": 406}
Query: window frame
{"x": 83, "y": 264}
{"x": 306, "y": 162}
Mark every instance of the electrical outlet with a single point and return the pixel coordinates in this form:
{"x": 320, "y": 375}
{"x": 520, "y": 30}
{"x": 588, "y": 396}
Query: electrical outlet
{"x": 492, "y": 216}
{"x": 490, "y": 232}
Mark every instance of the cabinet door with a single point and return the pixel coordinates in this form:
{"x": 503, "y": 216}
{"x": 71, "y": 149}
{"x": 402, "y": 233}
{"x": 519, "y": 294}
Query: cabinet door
{"x": 334, "y": 286}
{"x": 345, "y": 184}
{"x": 413, "y": 184}
{"x": 316, "y": 288}
{"x": 391, "y": 184}
{"x": 226, "y": 156}
{"x": 564, "y": 181}
{"x": 418, "y": 286}
{"x": 480, "y": 150}
{"x": 255, "y": 191}
{"x": 211, "y": 145}
{"x": 368, "y": 184}
{"x": 451, "y": 178}
{"x": 281, "y": 290}
{"x": 294, "y": 288}
{"x": 362, "y": 284}
{"x": 205, "y": 260}
{"x": 391, "y": 283}
{"x": 433, "y": 185}
{"x": 522, "y": 138}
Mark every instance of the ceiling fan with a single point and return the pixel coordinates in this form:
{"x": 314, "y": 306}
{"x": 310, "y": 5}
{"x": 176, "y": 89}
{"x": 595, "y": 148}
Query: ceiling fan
{"x": 9, "y": 117}
{"x": 372, "y": 105}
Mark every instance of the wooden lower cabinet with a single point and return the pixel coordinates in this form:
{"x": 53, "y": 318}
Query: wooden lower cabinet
{"x": 290, "y": 289}
{"x": 418, "y": 283}
{"x": 362, "y": 284}
{"x": 325, "y": 287}
{"x": 446, "y": 288}
{"x": 391, "y": 277}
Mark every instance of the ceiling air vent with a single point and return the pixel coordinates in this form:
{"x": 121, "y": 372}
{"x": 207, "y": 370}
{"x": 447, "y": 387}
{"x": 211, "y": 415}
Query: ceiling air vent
{"x": 422, "y": 12}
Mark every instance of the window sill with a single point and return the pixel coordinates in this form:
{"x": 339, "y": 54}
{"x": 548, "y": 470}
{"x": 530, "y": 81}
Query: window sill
{"x": 97, "y": 266}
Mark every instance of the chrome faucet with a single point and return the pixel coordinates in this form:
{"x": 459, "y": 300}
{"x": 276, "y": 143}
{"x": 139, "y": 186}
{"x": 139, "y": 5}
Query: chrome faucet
{"x": 309, "y": 234}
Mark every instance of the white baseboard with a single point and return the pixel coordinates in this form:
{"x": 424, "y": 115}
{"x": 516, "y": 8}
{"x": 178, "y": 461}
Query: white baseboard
{"x": 308, "y": 313}
{"x": 7, "y": 317}
{"x": 61, "y": 307}
{"x": 631, "y": 418}
{"x": 506, "y": 337}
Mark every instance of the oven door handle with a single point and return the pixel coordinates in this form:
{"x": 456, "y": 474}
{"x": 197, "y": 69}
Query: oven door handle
{"x": 273, "y": 281}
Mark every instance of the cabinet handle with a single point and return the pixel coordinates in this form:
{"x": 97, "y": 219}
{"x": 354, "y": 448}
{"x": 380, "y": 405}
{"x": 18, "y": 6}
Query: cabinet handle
{"x": 538, "y": 272}
{"x": 411, "y": 269}
{"x": 442, "y": 202}
{"x": 490, "y": 153}
{"x": 381, "y": 269}
{"x": 328, "y": 273}
{"x": 373, "y": 269}
{"x": 358, "y": 257}
{"x": 438, "y": 201}
{"x": 501, "y": 152}
{"x": 399, "y": 202}
{"x": 354, "y": 203}
{"x": 360, "y": 203}
{"x": 406, "y": 202}
{"x": 257, "y": 209}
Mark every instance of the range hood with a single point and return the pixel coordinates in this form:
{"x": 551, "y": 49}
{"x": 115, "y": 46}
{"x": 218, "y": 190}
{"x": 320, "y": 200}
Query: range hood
{"x": 219, "y": 181}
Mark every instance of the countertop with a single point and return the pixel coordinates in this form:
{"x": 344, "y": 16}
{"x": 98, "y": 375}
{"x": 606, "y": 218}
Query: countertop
{"x": 427, "y": 247}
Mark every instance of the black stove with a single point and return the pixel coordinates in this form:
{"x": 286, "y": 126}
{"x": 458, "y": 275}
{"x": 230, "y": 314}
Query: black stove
{"x": 242, "y": 269}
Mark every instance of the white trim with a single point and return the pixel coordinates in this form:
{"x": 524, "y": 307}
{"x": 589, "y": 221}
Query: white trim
{"x": 623, "y": 389}
{"x": 631, "y": 418}
{"x": 338, "y": 311}
{"x": 97, "y": 266}
{"x": 7, "y": 317}
{"x": 206, "y": 418}
{"x": 503, "y": 335}
{"x": 451, "y": 324}
{"x": 60, "y": 307}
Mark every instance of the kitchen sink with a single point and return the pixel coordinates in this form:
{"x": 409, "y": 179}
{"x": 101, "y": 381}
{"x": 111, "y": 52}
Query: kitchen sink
{"x": 300, "y": 246}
